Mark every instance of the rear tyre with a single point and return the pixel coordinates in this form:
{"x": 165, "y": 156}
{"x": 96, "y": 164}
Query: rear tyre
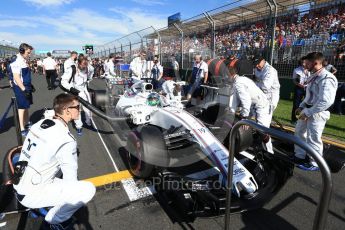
{"x": 9, "y": 203}
{"x": 98, "y": 98}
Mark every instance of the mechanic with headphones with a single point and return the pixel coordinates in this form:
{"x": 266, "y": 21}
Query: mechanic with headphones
{"x": 253, "y": 101}
{"x": 22, "y": 86}
{"x": 313, "y": 112}
{"x": 49, "y": 150}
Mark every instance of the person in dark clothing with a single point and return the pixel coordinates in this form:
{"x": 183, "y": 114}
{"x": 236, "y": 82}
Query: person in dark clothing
{"x": 338, "y": 104}
{"x": 300, "y": 76}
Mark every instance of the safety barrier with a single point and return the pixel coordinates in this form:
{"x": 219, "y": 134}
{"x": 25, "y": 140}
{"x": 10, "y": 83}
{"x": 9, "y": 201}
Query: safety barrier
{"x": 325, "y": 194}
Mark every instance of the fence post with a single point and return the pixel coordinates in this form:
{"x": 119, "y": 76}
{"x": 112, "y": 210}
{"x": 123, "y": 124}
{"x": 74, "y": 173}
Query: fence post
{"x": 159, "y": 44}
{"x": 141, "y": 41}
{"x": 267, "y": 50}
{"x": 273, "y": 31}
{"x": 182, "y": 49}
{"x": 213, "y": 34}
{"x": 130, "y": 48}
{"x": 16, "y": 121}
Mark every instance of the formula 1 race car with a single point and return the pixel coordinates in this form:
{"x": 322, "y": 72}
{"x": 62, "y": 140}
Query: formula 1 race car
{"x": 188, "y": 150}
{"x": 165, "y": 140}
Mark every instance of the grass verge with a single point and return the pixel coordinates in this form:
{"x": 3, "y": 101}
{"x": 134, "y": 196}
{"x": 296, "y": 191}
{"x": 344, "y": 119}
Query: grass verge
{"x": 335, "y": 126}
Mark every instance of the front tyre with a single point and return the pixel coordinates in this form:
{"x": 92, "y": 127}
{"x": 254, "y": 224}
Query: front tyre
{"x": 9, "y": 161}
{"x": 146, "y": 150}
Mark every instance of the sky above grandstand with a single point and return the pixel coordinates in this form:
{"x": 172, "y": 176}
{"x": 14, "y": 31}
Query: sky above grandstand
{"x": 69, "y": 24}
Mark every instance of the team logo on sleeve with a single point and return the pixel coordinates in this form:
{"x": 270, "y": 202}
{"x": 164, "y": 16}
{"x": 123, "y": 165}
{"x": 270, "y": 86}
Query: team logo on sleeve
{"x": 47, "y": 124}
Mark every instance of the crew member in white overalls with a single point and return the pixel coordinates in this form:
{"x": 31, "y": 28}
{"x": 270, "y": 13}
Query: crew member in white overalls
{"x": 90, "y": 68}
{"x": 312, "y": 113}
{"x": 267, "y": 80}
{"x": 77, "y": 84}
{"x": 109, "y": 67}
{"x": 246, "y": 94}
{"x": 171, "y": 89}
{"x": 49, "y": 150}
{"x": 70, "y": 64}
{"x": 138, "y": 67}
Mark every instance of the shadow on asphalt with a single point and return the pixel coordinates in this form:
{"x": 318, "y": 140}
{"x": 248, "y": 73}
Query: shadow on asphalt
{"x": 8, "y": 124}
{"x": 5, "y": 87}
{"x": 36, "y": 116}
{"x": 255, "y": 219}
{"x": 312, "y": 201}
{"x": 145, "y": 201}
{"x": 81, "y": 221}
{"x": 123, "y": 154}
{"x": 82, "y": 216}
{"x": 264, "y": 219}
{"x": 268, "y": 219}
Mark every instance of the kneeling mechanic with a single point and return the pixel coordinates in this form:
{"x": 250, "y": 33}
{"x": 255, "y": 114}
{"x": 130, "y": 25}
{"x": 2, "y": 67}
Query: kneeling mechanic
{"x": 49, "y": 150}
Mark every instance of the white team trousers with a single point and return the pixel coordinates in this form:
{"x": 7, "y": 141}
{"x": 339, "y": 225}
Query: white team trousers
{"x": 78, "y": 123}
{"x": 310, "y": 131}
{"x": 264, "y": 118}
{"x": 65, "y": 198}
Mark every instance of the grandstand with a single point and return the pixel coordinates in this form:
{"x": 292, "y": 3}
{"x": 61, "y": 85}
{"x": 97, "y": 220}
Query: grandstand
{"x": 283, "y": 34}
{"x": 7, "y": 51}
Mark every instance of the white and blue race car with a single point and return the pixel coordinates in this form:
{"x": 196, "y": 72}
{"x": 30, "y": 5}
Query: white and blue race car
{"x": 164, "y": 139}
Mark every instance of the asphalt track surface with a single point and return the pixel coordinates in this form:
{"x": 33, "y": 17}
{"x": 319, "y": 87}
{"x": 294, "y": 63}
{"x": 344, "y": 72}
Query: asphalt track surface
{"x": 292, "y": 208}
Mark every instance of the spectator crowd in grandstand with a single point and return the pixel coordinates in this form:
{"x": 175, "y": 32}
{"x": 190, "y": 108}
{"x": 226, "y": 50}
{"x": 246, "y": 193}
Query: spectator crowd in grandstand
{"x": 318, "y": 26}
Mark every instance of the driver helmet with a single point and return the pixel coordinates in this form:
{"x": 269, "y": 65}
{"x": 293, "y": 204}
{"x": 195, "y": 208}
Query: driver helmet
{"x": 153, "y": 99}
